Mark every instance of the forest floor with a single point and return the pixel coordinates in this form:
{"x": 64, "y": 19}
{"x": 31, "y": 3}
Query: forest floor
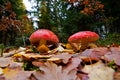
{"x": 101, "y": 63}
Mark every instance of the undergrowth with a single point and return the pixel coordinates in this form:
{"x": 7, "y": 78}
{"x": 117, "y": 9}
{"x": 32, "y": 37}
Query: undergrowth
{"x": 111, "y": 39}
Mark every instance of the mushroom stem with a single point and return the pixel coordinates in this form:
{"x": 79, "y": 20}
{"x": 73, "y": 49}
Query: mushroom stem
{"x": 78, "y": 46}
{"x": 42, "y": 41}
{"x": 84, "y": 46}
{"x": 75, "y": 46}
{"x": 42, "y": 46}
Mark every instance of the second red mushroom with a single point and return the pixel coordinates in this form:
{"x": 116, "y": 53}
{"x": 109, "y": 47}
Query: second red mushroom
{"x": 83, "y": 38}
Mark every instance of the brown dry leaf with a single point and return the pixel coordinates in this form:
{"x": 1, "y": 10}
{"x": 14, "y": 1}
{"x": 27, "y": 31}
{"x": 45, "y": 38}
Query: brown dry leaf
{"x": 28, "y": 56}
{"x": 8, "y": 62}
{"x": 113, "y": 55}
{"x": 4, "y": 62}
{"x": 36, "y": 56}
{"x": 38, "y": 63}
{"x": 60, "y": 49}
{"x": 10, "y": 53}
{"x": 63, "y": 56}
{"x": 117, "y": 76}
{"x": 15, "y": 65}
{"x": 83, "y": 76}
{"x": 51, "y": 71}
{"x": 73, "y": 63}
{"x": 99, "y": 71}
{"x": 16, "y": 74}
{"x": 56, "y": 60}
{"x": 93, "y": 54}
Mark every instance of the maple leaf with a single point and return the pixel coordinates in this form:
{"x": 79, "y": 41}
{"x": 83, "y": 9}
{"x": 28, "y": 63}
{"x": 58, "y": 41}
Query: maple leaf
{"x": 99, "y": 71}
{"x": 51, "y": 71}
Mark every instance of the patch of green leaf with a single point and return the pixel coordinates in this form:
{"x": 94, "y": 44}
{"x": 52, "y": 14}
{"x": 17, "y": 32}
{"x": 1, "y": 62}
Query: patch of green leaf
{"x": 112, "y": 64}
{"x": 29, "y": 67}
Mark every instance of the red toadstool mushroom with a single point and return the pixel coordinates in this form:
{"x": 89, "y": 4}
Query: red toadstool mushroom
{"x": 83, "y": 38}
{"x": 43, "y": 37}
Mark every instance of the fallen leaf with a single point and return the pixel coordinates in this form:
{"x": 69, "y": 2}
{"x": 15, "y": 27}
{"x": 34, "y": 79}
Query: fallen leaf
{"x": 15, "y": 65}
{"x": 117, "y": 76}
{"x": 56, "y": 60}
{"x": 9, "y": 62}
{"x": 38, "y": 63}
{"x": 113, "y": 55}
{"x": 36, "y": 56}
{"x": 60, "y": 48}
{"x": 99, "y": 71}
{"x": 73, "y": 63}
{"x": 93, "y": 54}
{"x": 1, "y": 71}
{"x": 51, "y": 71}
{"x": 16, "y": 74}
{"x": 29, "y": 56}
{"x": 14, "y": 51}
{"x": 63, "y": 56}
{"x": 4, "y": 62}
{"x": 83, "y": 76}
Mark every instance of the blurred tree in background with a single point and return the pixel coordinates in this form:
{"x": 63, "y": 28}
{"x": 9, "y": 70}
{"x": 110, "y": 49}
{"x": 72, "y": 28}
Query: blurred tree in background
{"x": 11, "y": 22}
{"x": 112, "y": 12}
{"x": 64, "y": 17}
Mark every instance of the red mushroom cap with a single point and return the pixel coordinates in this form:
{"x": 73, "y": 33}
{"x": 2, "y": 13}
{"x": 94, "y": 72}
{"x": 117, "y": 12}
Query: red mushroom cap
{"x": 43, "y": 34}
{"x": 83, "y": 37}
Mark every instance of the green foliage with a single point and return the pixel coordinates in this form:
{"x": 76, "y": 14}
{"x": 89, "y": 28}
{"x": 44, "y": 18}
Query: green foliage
{"x": 18, "y": 7}
{"x": 111, "y": 38}
{"x": 1, "y": 49}
{"x": 19, "y": 41}
{"x": 112, "y": 64}
{"x": 113, "y": 12}
{"x": 10, "y": 26}
{"x": 28, "y": 66}
{"x": 77, "y": 22}
{"x": 44, "y": 17}
{"x": 63, "y": 37}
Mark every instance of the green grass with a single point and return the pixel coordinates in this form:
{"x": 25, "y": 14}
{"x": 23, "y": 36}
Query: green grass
{"x": 111, "y": 38}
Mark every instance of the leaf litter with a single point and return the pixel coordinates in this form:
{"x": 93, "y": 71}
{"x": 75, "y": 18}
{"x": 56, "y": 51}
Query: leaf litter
{"x": 77, "y": 66}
